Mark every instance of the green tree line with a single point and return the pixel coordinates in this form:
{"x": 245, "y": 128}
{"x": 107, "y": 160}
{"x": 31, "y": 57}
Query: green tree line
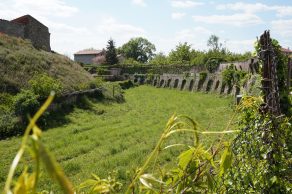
{"x": 138, "y": 51}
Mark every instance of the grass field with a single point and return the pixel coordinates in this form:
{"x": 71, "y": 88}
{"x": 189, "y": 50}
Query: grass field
{"x": 113, "y": 136}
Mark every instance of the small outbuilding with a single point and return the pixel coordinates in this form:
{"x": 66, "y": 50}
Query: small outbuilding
{"x": 90, "y": 56}
{"x": 286, "y": 51}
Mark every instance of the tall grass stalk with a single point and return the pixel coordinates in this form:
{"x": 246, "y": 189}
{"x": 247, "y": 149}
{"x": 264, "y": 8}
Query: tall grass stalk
{"x": 39, "y": 152}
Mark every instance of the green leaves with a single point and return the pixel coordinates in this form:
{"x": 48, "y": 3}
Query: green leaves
{"x": 226, "y": 159}
{"x": 185, "y": 158}
{"x": 53, "y": 168}
{"x": 196, "y": 171}
{"x": 43, "y": 84}
{"x": 98, "y": 185}
{"x": 111, "y": 54}
{"x": 27, "y": 182}
{"x": 139, "y": 49}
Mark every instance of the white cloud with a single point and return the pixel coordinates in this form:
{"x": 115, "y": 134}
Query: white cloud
{"x": 235, "y": 19}
{"x": 281, "y": 11}
{"x": 197, "y": 32}
{"x": 240, "y": 46}
{"x": 282, "y": 27}
{"x": 185, "y": 3}
{"x": 111, "y": 27}
{"x": 96, "y": 36}
{"x": 196, "y": 36}
{"x": 139, "y": 2}
{"x": 177, "y": 15}
{"x": 245, "y": 7}
{"x": 41, "y": 8}
{"x": 69, "y": 37}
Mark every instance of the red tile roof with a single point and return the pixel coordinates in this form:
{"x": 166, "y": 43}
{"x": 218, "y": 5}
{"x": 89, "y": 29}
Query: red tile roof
{"x": 286, "y": 50}
{"x": 89, "y": 52}
{"x": 22, "y": 20}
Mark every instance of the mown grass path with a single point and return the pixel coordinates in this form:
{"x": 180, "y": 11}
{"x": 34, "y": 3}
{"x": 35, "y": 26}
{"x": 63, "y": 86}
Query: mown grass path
{"x": 121, "y": 137}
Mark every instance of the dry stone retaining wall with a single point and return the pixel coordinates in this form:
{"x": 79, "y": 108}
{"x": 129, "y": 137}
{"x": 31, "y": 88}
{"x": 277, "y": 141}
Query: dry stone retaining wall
{"x": 73, "y": 98}
{"x": 212, "y": 83}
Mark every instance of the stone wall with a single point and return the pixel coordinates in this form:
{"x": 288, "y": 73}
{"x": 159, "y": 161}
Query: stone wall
{"x": 73, "y": 98}
{"x": 248, "y": 66}
{"x": 212, "y": 83}
{"x": 11, "y": 28}
{"x": 85, "y": 59}
{"x": 38, "y": 34}
{"x": 27, "y": 27}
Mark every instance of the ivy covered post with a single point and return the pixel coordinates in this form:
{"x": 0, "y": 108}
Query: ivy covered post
{"x": 262, "y": 149}
{"x": 289, "y": 77}
{"x": 269, "y": 73}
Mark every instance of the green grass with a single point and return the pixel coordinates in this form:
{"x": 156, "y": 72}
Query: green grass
{"x": 20, "y": 61}
{"x": 123, "y": 135}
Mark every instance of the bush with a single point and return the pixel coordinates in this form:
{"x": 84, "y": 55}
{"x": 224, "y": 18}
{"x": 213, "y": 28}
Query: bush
{"x": 262, "y": 156}
{"x": 113, "y": 91}
{"x": 42, "y": 85}
{"x": 102, "y": 71}
{"x": 131, "y": 61}
{"x": 212, "y": 64}
{"x": 25, "y": 102}
{"x": 203, "y": 76}
{"x": 8, "y": 124}
{"x": 126, "y": 84}
{"x": 231, "y": 76}
{"x": 6, "y": 100}
{"x": 96, "y": 83}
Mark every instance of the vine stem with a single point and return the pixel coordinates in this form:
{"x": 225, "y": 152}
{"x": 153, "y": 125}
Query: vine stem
{"x": 153, "y": 153}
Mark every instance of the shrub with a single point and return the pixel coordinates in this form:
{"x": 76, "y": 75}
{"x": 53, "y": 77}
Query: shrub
{"x": 126, "y": 84}
{"x": 25, "y": 102}
{"x": 42, "y": 85}
{"x": 6, "y": 100}
{"x": 102, "y": 71}
{"x": 262, "y": 156}
{"x": 212, "y": 64}
{"x": 8, "y": 124}
{"x": 232, "y": 76}
{"x": 113, "y": 91}
{"x": 96, "y": 83}
{"x": 92, "y": 70}
{"x": 131, "y": 61}
{"x": 203, "y": 76}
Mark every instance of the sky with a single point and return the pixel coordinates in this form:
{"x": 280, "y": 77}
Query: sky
{"x": 79, "y": 24}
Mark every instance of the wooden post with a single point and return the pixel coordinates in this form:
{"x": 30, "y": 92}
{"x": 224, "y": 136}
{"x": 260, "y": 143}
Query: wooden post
{"x": 289, "y": 74}
{"x": 270, "y": 80}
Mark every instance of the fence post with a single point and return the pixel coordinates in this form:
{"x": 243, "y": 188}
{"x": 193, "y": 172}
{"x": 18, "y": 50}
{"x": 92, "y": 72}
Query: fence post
{"x": 289, "y": 74}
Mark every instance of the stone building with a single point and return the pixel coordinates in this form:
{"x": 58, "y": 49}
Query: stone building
{"x": 27, "y": 27}
{"x": 286, "y": 51}
{"x": 90, "y": 56}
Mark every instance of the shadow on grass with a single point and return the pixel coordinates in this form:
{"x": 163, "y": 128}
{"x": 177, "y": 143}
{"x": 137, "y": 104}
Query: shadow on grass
{"x": 59, "y": 118}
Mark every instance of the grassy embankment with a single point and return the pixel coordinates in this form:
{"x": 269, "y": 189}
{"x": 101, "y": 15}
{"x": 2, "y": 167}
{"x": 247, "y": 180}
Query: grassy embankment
{"x": 25, "y": 72}
{"x": 113, "y": 136}
{"x": 19, "y": 61}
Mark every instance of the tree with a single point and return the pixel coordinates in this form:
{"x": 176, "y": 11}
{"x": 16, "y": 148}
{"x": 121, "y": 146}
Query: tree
{"x": 139, "y": 49}
{"x": 213, "y": 43}
{"x": 159, "y": 59}
{"x": 111, "y": 54}
{"x": 181, "y": 54}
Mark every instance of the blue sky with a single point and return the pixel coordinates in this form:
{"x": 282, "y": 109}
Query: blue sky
{"x": 80, "y": 24}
